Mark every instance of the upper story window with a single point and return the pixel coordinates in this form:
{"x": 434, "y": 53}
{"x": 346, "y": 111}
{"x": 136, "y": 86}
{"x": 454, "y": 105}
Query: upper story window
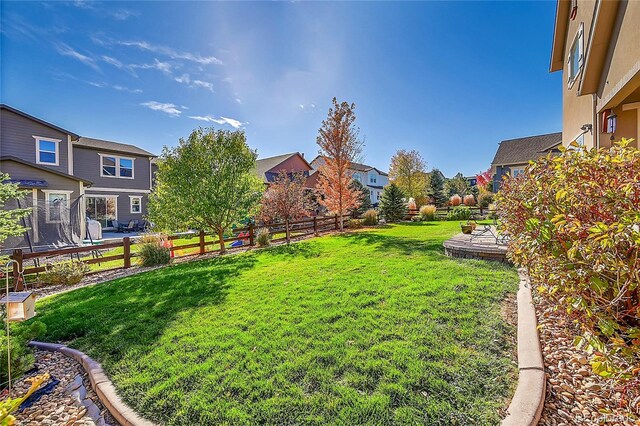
{"x": 113, "y": 166}
{"x": 576, "y": 56}
{"x": 47, "y": 151}
{"x": 372, "y": 179}
{"x": 135, "y": 204}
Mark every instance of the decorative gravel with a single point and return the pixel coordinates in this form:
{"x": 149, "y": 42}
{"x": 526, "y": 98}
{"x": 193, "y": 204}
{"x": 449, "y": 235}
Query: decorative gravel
{"x": 72, "y": 401}
{"x": 575, "y": 395}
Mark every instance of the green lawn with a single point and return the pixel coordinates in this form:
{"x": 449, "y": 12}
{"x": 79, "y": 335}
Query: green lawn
{"x": 371, "y": 327}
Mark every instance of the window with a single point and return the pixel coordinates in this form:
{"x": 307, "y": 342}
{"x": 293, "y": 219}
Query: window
{"x": 57, "y": 206}
{"x": 576, "y": 59}
{"x": 112, "y": 166}
{"x": 377, "y": 195}
{"x": 372, "y": 179}
{"x": 47, "y": 151}
{"x": 517, "y": 172}
{"x": 135, "y": 203}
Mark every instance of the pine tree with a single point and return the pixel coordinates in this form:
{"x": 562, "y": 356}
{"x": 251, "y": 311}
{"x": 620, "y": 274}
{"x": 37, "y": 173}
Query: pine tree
{"x": 365, "y": 197}
{"x": 392, "y": 204}
{"x": 435, "y": 190}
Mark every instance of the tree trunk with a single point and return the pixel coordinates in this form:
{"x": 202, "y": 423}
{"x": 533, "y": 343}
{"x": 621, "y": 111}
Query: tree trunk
{"x": 221, "y": 241}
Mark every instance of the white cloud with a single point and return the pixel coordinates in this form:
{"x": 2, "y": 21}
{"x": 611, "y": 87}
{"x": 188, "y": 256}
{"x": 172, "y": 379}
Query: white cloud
{"x": 167, "y": 108}
{"x": 125, "y": 89}
{"x": 66, "y": 50}
{"x": 172, "y": 53}
{"x": 123, "y": 14}
{"x": 239, "y": 101}
{"x": 113, "y": 61}
{"x": 204, "y": 84}
{"x": 185, "y": 79}
{"x": 222, "y": 120}
{"x": 301, "y": 106}
{"x": 165, "y": 67}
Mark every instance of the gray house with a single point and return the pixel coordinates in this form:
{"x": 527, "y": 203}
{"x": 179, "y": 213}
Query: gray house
{"x": 513, "y": 155}
{"x": 70, "y": 178}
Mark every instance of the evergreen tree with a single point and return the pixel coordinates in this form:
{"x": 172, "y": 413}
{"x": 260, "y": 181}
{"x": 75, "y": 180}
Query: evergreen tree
{"x": 365, "y": 198}
{"x": 392, "y": 204}
{"x": 435, "y": 190}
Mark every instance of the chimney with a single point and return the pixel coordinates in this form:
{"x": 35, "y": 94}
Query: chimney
{"x": 302, "y": 153}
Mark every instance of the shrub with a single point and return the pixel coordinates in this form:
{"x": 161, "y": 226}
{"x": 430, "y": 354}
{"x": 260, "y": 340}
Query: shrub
{"x": 64, "y": 273}
{"x": 459, "y": 213}
{"x": 485, "y": 199}
{"x": 428, "y": 212}
{"x": 355, "y": 223}
{"x": 455, "y": 200}
{"x": 576, "y": 223}
{"x": 153, "y": 250}
{"x": 469, "y": 200}
{"x": 21, "y": 355}
{"x": 263, "y": 238}
{"x": 370, "y": 218}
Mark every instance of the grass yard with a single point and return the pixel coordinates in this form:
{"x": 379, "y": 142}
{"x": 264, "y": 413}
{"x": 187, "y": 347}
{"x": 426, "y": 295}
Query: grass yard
{"x": 370, "y": 327}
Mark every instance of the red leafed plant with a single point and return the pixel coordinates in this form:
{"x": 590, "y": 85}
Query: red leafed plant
{"x": 575, "y": 225}
{"x": 483, "y": 179}
{"x": 455, "y": 200}
{"x": 286, "y": 198}
{"x": 339, "y": 145}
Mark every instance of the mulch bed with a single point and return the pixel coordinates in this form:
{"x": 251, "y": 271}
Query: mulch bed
{"x": 576, "y": 395}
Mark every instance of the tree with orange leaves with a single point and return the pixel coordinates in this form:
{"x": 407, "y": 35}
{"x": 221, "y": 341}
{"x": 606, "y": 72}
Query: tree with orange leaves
{"x": 339, "y": 147}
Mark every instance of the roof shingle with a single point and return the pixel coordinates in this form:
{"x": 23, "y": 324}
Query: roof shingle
{"x": 111, "y": 146}
{"x": 523, "y": 150}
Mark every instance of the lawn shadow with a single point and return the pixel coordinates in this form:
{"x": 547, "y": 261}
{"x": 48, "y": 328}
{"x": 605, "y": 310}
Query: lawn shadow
{"x": 404, "y": 245}
{"x": 131, "y": 313}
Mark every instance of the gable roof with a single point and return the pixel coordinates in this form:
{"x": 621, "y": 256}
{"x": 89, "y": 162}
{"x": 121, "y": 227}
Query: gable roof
{"x": 111, "y": 146}
{"x": 263, "y": 165}
{"x": 43, "y": 168}
{"x": 523, "y": 150}
{"x": 354, "y": 166}
{"x": 37, "y": 120}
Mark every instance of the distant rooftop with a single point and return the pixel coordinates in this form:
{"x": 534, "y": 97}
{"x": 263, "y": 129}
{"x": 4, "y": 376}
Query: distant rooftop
{"x": 354, "y": 166}
{"x": 112, "y": 146}
{"x": 523, "y": 150}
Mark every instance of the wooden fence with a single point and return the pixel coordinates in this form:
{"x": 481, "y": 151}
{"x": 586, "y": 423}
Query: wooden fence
{"x": 442, "y": 212}
{"x": 247, "y": 235}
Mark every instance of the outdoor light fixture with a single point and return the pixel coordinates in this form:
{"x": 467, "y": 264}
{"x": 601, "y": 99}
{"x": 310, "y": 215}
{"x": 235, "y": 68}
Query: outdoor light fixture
{"x": 612, "y": 121}
{"x": 19, "y": 306}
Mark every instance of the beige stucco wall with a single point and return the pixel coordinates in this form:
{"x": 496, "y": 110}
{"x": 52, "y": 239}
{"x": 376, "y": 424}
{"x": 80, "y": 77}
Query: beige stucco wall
{"x": 576, "y": 110}
{"x": 624, "y": 52}
{"x": 620, "y": 77}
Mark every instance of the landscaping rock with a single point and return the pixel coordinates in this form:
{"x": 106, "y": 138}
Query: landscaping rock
{"x": 65, "y": 404}
{"x": 575, "y": 395}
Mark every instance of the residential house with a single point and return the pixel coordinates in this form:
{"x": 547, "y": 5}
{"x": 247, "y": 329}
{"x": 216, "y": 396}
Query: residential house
{"x": 122, "y": 179}
{"x": 596, "y": 46}
{"x": 513, "y": 155}
{"x": 268, "y": 168}
{"x": 70, "y": 178}
{"x": 372, "y": 178}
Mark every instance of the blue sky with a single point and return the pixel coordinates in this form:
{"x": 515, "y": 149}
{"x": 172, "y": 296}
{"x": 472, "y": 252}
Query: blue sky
{"x": 449, "y": 79}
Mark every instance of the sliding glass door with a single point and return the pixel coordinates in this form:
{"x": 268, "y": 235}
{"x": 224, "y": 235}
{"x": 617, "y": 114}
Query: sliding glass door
{"x": 102, "y": 208}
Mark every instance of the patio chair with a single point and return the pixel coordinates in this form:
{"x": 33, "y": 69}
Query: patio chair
{"x": 143, "y": 226}
{"x": 130, "y": 227}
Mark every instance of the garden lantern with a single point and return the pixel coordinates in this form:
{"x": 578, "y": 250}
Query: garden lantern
{"x": 21, "y": 306}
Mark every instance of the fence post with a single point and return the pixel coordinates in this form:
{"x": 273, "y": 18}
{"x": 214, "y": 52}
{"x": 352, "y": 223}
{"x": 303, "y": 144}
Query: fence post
{"x": 315, "y": 226}
{"x": 126, "y": 244}
{"x": 18, "y": 285}
{"x": 251, "y": 234}
{"x": 481, "y": 211}
{"x": 335, "y": 220}
{"x": 286, "y": 229}
{"x": 201, "y": 242}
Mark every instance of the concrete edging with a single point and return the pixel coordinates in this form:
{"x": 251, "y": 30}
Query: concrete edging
{"x": 528, "y": 401}
{"x": 100, "y": 383}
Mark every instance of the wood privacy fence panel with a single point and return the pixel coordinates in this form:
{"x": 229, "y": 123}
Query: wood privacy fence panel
{"x": 296, "y": 228}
